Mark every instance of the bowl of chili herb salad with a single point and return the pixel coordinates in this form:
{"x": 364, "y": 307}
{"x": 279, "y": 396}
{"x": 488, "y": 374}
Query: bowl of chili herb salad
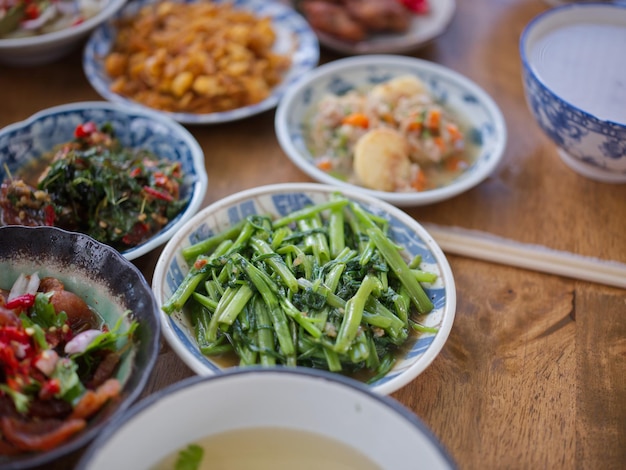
{"x": 306, "y": 275}
{"x": 128, "y": 178}
{"x": 408, "y": 131}
{"x": 79, "y": 336}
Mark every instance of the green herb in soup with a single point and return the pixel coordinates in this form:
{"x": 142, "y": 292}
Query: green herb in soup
{"x": 323, "y": 287}
{"x": 393, "y": 137}
{"x": 268, "y": 448}
{"x": 94, "y": 185}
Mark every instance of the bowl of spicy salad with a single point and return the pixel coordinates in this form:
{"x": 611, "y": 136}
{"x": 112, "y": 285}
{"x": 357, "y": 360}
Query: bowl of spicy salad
{"x": 127, "y": 178}
{"x": 79, "y": 336}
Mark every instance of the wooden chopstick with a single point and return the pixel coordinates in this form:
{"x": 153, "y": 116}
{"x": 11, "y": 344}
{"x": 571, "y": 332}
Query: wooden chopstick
{"x": 488, "y": 247}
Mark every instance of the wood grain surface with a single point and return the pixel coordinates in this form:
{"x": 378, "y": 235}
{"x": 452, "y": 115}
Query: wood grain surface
{"x": 533, "y": 375}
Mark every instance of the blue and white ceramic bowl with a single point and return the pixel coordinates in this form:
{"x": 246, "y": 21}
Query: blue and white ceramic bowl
{"x": 573, "y": 75}
{"x": 25, "y": 142}
{"x": 293, "y": 36}
{"x": 457, "y": 93}
{"x": 282, "y": 199}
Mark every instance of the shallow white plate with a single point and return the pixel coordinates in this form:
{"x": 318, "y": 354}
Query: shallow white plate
{"x": 293, "y": 36}
{"x": 423, "y": 29}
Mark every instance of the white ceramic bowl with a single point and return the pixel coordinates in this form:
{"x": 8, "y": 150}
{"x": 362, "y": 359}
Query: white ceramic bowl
{"x": 459, "y": 94}
{"x": 295, "y": 399}
{"x": 24, "y": 142}
{"x": 573, "y": 75}
{"x": 422, "y": 30}
{"x": 110, "y": 284}
{"x": 293, "y": 37}
{"x": 282, "y": 199}
{"x": 45, "y": 48}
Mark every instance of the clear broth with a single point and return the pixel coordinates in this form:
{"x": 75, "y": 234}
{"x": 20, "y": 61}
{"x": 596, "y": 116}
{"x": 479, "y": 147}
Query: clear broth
{"x": 269, "y": 448}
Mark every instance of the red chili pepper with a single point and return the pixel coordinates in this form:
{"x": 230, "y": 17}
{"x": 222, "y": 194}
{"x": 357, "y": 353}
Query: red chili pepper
{"x": 158, "y": 194}
{"x": 49, "y": 215}
{"x": 160, "y": 178}
{"x": 22, "y": 301}
{"x": 418, "y": 6}
{"x": 32, "y": 11}
{"x": 135, "y": 172}
{"x": 13, "y": 333}
{"x": 8, "y": 362}
{"x": 85, "y": 130}
{"x": 137, "y": 234}
{"x": 49, "y": 389}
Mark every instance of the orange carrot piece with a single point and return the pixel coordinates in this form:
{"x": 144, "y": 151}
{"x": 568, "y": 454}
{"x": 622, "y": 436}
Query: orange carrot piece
{"x": 324, "y": 164}
{"x": 455, "y": 163}
{"x": 420, "y": 181}
{"x": 433, "y": 120}
{"x": 357, "y": 120}
{"x": 455, "y": 133}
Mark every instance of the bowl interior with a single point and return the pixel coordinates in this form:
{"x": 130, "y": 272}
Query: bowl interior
{"x": 26, "y": 142}
{"x": 486, "y": 127}
{"x": 293, "y": 36}
{"x": 107, "y": 282}
{"x": 280, "y": 200}
{"x": 292, "y": 399}
{"x": 571, "y": 50}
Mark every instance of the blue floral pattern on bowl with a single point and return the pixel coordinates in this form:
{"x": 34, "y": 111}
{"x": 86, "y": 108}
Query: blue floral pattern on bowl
{"x": 487, "y": 128}
{"x": 595, "y": 142}
{"x": 279, "y": 200}
{"x": 293, "y": 36}
{"x": 25, "y": 142}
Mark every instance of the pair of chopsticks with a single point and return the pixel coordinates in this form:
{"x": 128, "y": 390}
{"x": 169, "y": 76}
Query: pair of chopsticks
{"x": 487, "y": 247}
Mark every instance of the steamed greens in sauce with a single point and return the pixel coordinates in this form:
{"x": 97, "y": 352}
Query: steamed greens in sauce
{"x": 323, "y": 287}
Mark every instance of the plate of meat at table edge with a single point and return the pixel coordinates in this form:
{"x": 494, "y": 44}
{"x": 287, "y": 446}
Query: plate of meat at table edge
{"x": 376, "y": 26}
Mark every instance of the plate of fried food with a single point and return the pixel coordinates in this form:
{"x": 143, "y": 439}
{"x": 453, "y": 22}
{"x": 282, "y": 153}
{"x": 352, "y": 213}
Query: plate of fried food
{"x": 376, "y": 26}
{"x": 198, "y": 61}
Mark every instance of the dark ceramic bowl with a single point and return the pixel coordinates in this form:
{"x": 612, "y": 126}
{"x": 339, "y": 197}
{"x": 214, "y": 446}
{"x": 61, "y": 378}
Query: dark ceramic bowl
{"x": 109, "y": 283}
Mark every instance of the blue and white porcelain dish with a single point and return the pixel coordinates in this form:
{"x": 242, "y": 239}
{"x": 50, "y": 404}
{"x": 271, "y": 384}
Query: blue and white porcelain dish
{"x": 573, "y": 76}
{"x": 25, "y": 142}
{"x": 460, "y": 95}
{"x": 281, "y": 199}
{"x": 293, "y": 36}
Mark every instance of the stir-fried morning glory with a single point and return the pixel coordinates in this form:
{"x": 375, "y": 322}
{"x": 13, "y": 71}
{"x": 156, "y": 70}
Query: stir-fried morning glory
{"x": 322, "y": 287}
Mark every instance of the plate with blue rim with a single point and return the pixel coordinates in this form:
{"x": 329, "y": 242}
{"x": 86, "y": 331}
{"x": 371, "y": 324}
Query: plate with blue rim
{"x": 293, "y": 36}
{"x": 279, "y": 200}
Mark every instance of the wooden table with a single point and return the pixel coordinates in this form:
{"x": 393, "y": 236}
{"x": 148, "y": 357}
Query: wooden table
{"x": 533, "y": 374}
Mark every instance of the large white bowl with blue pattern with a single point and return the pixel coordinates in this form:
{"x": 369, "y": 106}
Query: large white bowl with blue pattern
{"x": 293, "y": 37}
{"x": 590, "y": 135}
{"x": 23, "y": 143}
{"x": 279, "y": 200}
{"x": 487, "y": 128}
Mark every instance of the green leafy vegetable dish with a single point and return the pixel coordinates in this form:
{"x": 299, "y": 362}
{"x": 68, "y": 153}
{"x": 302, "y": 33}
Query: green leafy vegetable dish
{"x": 94, "y": 185}
{"x": 324, "y": 286}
